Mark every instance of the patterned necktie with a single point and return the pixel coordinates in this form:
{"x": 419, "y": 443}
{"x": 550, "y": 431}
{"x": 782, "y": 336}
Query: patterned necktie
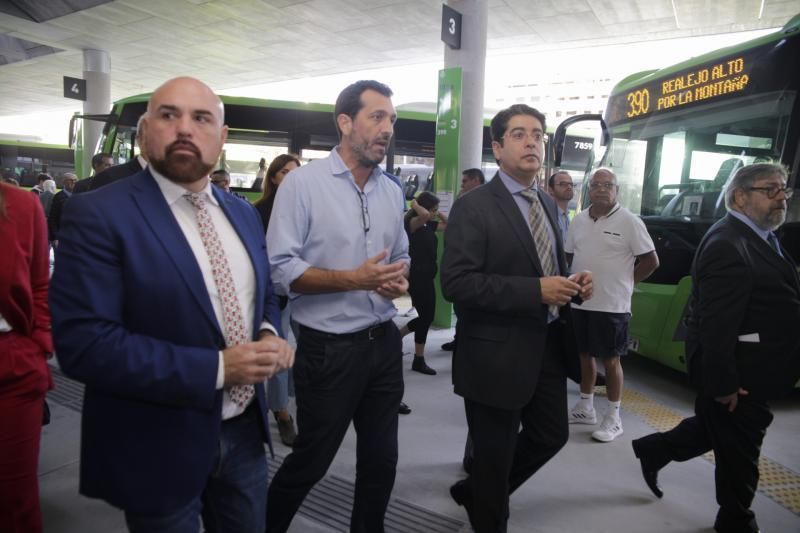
{"x": 234, "y": 325}
{"x": 541, "y": 238}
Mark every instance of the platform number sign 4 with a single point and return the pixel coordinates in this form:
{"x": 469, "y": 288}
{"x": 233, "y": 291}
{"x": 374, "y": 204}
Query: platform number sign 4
{"x": 451, "y": 27}
{"x": 74, "y": 88}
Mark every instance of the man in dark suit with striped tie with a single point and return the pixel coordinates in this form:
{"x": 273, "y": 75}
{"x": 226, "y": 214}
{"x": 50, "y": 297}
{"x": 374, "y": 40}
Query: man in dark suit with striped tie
{"x": 504, "y": 267}
{"x": 742, "y": 345}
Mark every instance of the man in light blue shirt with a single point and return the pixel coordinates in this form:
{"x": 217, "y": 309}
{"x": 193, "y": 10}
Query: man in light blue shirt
{"x": 338, "y": 248}
{"x": 562, "y": 189}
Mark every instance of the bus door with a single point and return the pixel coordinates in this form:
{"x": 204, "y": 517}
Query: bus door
{"x": 83, "y": 154}
{"x": 578, "y": 143}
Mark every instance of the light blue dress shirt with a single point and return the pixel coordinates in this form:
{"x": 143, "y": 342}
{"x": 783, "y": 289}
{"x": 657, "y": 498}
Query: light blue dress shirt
{"x": 563, "y": 223}
{"x": 320, "y": 220}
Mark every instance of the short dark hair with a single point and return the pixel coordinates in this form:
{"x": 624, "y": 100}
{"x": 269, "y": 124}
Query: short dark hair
{"x": 221, "y": 172}
{"x": 98, "y": 158}
{"x": 551, "y": 181}
{"x": 428, "y": 200}
{"x": 349, "y": 101}
{"x": 42, "y": 177}
{"x": 476, "y": 174}
{"x": 500, "y": 120}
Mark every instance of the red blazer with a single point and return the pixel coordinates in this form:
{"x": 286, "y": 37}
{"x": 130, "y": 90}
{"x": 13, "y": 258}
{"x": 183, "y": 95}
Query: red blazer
{"x": 25, "y": 273}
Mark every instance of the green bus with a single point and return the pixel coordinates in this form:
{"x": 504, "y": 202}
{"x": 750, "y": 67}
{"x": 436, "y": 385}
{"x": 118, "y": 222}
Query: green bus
{"x": 675, "y": 137}
{"x": 27, "y": 159}
{"x": 263, "y": 129}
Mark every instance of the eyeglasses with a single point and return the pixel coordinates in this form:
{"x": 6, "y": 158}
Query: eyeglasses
{"x": 522, "y": 135}
{"x": 773, "y": 191}
{"x": 364, "y": 211}
{"x": 607, "y": 185}
{"x": 567, "y": 184}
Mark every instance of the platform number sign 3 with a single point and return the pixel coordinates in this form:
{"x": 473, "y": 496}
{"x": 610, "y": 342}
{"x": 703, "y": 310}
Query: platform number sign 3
{"x": 74, "y": 88}
{"x": 451, "y": 27}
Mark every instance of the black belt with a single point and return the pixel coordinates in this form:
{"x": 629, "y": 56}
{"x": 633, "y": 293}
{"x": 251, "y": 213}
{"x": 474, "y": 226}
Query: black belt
{"x": 367, "y": 334}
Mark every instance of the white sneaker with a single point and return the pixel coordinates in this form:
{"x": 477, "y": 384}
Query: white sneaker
{"x": 610, "y": 429}
{"x": 578, "y": 415}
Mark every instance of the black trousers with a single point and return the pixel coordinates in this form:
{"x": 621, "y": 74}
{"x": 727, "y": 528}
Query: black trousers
{"x": 736, "y": 440}
{"x": 339, "y": 378}
{"x": 423, "y": 298}
{"x": 505, "y": 456}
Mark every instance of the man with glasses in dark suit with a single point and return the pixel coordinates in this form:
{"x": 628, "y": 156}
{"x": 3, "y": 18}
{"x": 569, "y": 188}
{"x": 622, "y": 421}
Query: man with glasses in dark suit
{"x": 504, "y": 267}
{"x": 742, "y": 345}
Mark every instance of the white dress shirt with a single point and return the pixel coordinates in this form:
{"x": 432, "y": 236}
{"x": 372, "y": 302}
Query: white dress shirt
{"x": 238, "y": 260}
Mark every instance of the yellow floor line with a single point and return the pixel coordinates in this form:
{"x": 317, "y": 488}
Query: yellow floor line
{"x": 777, "y": 482}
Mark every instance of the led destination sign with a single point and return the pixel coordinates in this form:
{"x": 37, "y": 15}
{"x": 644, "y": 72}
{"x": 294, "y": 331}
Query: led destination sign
{"x": 723, "y": 77}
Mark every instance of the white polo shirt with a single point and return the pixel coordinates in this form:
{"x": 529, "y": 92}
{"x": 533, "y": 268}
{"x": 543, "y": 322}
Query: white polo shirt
{"x": 608, "y": 247}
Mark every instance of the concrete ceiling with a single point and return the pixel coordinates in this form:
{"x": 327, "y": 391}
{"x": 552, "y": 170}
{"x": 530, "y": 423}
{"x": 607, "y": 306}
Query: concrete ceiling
{"x": 235, "y": 43}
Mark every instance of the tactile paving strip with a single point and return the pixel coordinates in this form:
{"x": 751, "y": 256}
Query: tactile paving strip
{"x": 66, "y": 391}
{"x": 328, "y": 503}
{"x": 779, "y": 483}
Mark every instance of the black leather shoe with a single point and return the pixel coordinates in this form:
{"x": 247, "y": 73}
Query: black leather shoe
{"x": 419, "y": 365}
{"x": 449, "y": 346}
{"x": 649, "y": 472}
{"x": 460, "y": 493}
{"x": 404, "y": 409}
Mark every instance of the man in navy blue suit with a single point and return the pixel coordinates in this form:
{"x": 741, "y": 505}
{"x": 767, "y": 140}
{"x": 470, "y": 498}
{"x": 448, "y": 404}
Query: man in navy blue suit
{"x": 162, "y": 305}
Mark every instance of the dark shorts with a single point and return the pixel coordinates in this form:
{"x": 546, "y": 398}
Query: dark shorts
{"x": 601, "y": 334}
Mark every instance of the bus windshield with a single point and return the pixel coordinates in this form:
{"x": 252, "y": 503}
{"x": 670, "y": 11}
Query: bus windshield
{"x": 675, "y": 138}
{"x": 677, "y": 164}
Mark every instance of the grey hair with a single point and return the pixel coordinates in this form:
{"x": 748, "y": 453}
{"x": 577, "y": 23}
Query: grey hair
{"x": 746, "y": 176}
{"x": 609, "y": 171}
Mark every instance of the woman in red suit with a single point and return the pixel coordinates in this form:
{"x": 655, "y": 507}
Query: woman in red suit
{"x": 25, "y": 342}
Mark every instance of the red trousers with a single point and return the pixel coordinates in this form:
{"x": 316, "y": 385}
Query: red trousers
{"x": 24, "y": 380}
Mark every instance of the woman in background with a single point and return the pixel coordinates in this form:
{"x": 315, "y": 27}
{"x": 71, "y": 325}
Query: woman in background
{"x": 278, "y": 386}
{"x": 25, "y": 344}
{"x": 421, "y": 223}
{"x": 280, "y": 166}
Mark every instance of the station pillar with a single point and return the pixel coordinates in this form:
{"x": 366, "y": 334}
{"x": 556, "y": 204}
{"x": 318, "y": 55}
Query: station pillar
{"x": 471, "y": 58}
{"x": 97, "y": 73}
{"x": 460, "y": 114}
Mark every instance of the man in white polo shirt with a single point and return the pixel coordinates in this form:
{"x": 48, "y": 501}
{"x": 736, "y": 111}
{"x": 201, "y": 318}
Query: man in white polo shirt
{"x": 614, "y": 245}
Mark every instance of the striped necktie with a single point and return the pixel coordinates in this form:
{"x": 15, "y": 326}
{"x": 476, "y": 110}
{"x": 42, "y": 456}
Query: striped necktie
{"x": 537, "y": 220}
{"x": 233, "y": 320}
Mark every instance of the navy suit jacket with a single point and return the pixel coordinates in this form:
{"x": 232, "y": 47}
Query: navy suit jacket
{"x": 133, "y": 321}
